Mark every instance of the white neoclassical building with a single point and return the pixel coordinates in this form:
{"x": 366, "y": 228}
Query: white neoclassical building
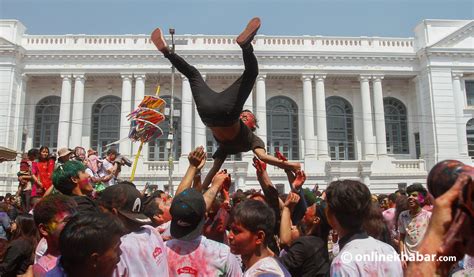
{"x": 377, "y": 109}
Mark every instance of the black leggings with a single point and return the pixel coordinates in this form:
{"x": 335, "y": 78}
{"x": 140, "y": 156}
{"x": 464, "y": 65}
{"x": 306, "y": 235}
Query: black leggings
{"x": 224, "y": 108}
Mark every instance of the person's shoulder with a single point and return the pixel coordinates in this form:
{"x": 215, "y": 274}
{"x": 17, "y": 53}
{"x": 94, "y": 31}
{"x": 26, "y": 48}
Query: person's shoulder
{"x": 212, "y": 244}
{"x": 268, "y": 266}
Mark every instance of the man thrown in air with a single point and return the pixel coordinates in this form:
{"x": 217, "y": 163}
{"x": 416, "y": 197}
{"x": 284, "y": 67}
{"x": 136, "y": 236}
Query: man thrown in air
{"x": 223, "y": 111}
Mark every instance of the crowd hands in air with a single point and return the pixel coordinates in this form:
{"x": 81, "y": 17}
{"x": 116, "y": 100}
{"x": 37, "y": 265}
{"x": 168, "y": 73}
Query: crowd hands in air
{"x": 89, "y": 222}
{"x": 74, "y": 215}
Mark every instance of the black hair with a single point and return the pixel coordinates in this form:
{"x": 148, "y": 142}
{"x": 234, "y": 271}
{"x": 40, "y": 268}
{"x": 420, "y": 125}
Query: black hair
{"x": 324, "y": 227}
{"x": 26, "y": 229}
{"x": 375, "y": 225}
{"x": 417, "y": 187}
{"x": 50, "y": 205}
{"x": 86, "y": 234}
{"x": 33, "y": 153}
{"x": 392, "y": 197}
{"x": 151, "y": 209}
{"x": 112, "y": 151}
{"x": 381, "y": 197}
{"x": 254, "y": 216}
{"x": 401, "y": 192}
{"x": 349, "y": 201}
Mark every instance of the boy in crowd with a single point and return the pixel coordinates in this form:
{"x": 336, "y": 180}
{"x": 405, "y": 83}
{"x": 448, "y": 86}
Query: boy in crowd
{"x": 347, "y": 203}
{"x": 51, "y": 215}
{"x": 143, "y": 250}
{"x": 249, "y": 236}
{"x": 89, "y": 246}
{"x": 189, "y": 252}
{"x": 412, "y": 223}
{"x": 71, "y": 179}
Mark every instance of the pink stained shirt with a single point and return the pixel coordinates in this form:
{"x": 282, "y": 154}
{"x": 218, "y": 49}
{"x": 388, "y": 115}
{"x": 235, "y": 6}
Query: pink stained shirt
{"x": 143, "y": 254}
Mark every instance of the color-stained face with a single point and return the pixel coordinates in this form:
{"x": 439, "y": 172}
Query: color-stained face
{"x": 241, "y": 240}
{"x": 84, "y": 182}
{"x": 310, "y": 215}
{"x": 249, "y": 119}
{"x": 415, "y": 199}
{"x": 109, "y": 259}
{"x": 56, "y": 225}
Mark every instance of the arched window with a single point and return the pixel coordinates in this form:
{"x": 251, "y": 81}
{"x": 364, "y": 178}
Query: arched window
{"x": 158, "y": 148}
{"x": 470, "y": 137}
{"x": 212, "y": 145}
{"x": 396, "y": 126}
{"x": 340, "y": 125}
{"x": 105, "y": 122}
{"x": 282, "y": 127}
{"x": 46, "y": 122}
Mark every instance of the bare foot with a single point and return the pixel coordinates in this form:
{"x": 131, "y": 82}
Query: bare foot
{"x": 159, "y": 41}
{"x": 250, "y": 31}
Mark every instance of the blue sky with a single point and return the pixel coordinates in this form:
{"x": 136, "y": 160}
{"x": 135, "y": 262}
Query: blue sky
{"x": 395, "y": 18}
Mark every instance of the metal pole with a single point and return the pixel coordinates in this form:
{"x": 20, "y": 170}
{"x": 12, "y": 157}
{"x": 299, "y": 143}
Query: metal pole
{"x": 171, "y": 133}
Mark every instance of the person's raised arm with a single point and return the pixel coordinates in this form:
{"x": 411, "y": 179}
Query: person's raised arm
{"x": 285, "y": 224}
{"x": 195, "y": 159}
{"x": 212, "y": 172}
{"x": 220, "y": 179}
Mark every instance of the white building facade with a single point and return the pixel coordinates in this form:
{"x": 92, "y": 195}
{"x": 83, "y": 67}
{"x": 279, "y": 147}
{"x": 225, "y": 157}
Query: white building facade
{"x": 379, "y": 110}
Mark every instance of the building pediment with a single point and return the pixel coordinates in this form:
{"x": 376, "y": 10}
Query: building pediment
{"x": 462, "y": 38}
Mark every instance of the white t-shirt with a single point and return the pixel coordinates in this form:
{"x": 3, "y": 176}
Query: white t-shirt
{"x": 414, "y": 228}
{"x": 355, "y": 259}
{"x": 201, "y": 257}
{"x": 143, "y": 254}
{"x": 269, "y": 267}
{"x": 106, "y": 166}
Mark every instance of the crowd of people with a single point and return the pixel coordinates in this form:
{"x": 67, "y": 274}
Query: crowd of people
{"x": 74, "y": 216}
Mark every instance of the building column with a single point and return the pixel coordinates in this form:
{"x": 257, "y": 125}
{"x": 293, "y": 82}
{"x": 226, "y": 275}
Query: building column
{"x": 199, "y": 128}
{"x": 139, "y": 89}
{"x": 125, "y": 145}
{"x": 64, "y": 112}
{"x": 77, "y": 111}
{"x": 321, "y": 118}
{"x": 379, "y": 117}
{"x": 368, "y": 149}
{"x": 186, "y": 117}
{"x": 459, "y": 111}
{"x": 309, "y": 138}
{"x": 139, "y": 95}
{"x": 261, "y": 108}
{"x": 20, "y": 114}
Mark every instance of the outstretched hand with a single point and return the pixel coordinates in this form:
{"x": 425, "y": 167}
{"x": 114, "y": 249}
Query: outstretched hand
{"x": 291, "y": 200}
{"x": 222, "y": 179}
{"x": 280, "y": 156}
{"x": 259, "y": 165}
{"x": 197, "y": 158}
{"x": 299, "y": 180}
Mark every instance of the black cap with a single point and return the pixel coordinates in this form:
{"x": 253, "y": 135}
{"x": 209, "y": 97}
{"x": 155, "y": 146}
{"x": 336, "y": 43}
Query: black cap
{"x": 127, "y": 200}
{"x": 188, "y": 211}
